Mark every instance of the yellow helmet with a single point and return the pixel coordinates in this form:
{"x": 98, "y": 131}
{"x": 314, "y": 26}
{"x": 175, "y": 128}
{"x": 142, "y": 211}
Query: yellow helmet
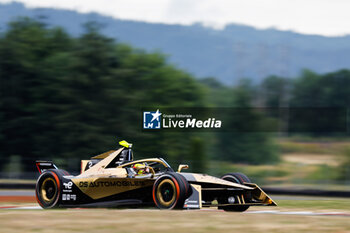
{"x": 139, "y": 166}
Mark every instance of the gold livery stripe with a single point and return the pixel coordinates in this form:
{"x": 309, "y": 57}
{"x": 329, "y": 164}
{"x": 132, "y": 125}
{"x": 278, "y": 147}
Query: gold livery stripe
{"x": 103, "y": 187}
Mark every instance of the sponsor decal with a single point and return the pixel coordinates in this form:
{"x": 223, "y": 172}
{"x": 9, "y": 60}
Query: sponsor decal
{"x": 191, "y": 204}
{"x": 69, "y": 197}
{"x": 97, "y": 184}
{"x": 68, "y": 185}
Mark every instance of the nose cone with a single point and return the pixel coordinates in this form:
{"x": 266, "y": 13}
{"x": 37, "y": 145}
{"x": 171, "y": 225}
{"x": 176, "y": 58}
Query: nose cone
{"x": 203, "y": 178}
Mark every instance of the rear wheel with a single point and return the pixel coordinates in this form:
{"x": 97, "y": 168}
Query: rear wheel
{"x": 170, "y": 191}
{"x": 238, "y": 178}
{"x": 48, "y": 188}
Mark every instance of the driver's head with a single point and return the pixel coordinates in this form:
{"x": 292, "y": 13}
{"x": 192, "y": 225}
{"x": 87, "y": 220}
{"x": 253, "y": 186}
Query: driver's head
{"x": 140, "y": 168}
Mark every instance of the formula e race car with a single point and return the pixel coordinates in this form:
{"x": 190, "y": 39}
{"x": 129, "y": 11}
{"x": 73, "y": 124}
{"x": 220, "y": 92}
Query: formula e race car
{"x": 114, "y": 179}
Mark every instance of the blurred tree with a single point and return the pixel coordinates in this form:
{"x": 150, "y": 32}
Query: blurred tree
{"x": 216, "y": 93}
{"x": 75, "y": 97}
{"x": 336, "y": 88}
{"x": 13, "y": 168}
{"x": 150, "y": 83}
{"x": 312, "y": 91}
{"x": 328, "y": 90}
{"x": 307, "y": 91}
{"x": 275, "y": 91}
{"x": 247, "y": 142}
{"x": 198, "y": 157}
{"x": 85, "y": 104}
{"x": 22, "y": 50}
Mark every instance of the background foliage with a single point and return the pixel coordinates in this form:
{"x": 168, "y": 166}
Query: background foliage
{"x": 67, "y": 98}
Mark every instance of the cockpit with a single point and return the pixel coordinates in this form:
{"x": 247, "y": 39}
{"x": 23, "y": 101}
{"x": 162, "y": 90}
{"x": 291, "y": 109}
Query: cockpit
{"x": 147, "y": 168}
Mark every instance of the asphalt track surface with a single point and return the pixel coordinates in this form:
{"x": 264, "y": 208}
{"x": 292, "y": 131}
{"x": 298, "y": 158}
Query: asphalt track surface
{"x": 272, "y": 212}
{"x": 15, "y": 193}
{"x": 31, "y": 194}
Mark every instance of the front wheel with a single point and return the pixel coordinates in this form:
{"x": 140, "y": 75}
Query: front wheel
{"x": 170, "y": 191}
{"x": 238, "y": 178}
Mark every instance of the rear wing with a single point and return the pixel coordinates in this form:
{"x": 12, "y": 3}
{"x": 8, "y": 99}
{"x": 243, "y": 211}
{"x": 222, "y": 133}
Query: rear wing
{"x": 45, "y": 165}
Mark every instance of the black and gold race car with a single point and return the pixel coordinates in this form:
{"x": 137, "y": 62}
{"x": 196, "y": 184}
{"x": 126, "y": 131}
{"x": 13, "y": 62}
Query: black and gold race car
{"x": 114, "y": 179}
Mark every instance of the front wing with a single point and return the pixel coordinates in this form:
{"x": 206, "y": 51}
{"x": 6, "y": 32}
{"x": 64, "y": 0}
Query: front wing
{"x": 222, "y": 196}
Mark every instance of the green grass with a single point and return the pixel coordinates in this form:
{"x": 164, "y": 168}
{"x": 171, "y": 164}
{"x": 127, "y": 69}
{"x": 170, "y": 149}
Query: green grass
{"x": 323, "y": 204}
{"x": 311, "y": 161}
{"x": 324, "y": 146}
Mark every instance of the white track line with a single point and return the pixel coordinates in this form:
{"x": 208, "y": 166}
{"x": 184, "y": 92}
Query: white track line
{"x": 20, "y": 208}
{"x": 305, "y": 213}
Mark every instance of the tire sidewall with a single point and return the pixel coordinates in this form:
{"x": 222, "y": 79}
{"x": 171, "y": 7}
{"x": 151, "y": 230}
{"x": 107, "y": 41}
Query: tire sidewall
{"x": 231, "y": 178}
{"x": 236, "y": 177}
{"x": 55, "y": 203}
{"x": 182, "y": 189}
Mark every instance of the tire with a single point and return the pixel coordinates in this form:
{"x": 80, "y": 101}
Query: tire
{"x": 48, "y": 188}
{"x": 238, "y": 178}
{"x": 170, "y": 191}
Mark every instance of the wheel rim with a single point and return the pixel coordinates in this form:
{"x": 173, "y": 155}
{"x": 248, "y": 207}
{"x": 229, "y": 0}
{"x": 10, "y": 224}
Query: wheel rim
{"x": 166, "y": 193}
{"x": 48, "y": 190}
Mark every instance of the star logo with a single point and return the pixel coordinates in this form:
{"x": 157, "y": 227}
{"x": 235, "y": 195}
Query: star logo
{"x": 152, "y": 120}
{"x": 156, "y": 115}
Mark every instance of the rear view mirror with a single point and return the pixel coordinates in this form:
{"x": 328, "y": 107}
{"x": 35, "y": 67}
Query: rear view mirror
{"x": 182, "y": 166}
